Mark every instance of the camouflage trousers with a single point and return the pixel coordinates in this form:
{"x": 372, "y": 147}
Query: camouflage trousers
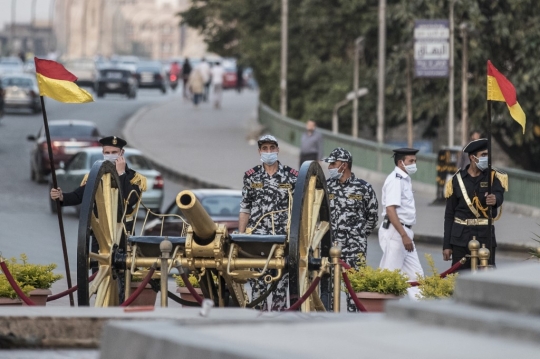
{"x": 279, "y": 295}
{"x": 349, "y": 254}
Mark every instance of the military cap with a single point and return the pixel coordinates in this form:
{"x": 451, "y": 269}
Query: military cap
{"x": 113, "y": 141}
{"x": 267, "y": 138}
{"x": 476, "y": 145}
{"x": 405, "y": 151}
{"x": 338, "y": 154}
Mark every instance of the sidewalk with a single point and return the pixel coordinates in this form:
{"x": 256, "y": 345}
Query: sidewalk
{"x": 213, "y": 148}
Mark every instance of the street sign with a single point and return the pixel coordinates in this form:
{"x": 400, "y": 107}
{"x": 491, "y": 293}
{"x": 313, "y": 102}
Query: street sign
{"x": 431, "y": 48}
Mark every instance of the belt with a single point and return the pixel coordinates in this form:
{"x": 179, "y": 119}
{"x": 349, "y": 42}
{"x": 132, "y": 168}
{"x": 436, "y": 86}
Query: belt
{"x": 472, "y": 222}
{"x": 403, "y": 224}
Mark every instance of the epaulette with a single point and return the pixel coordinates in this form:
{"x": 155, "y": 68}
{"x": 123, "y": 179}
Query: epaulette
{"x": 501, "y": 176}
{"x": 139, "y": 180}
{"x": 252, "y": 170}
{"x": 399, "y": 176}
{"x": 449, "y": 188}
{"x": 85, "y": 179}
{"x": 291, "y": 170}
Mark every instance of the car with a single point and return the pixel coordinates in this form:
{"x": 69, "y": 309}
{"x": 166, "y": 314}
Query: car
{"x": 71, "y": 174}
{"x": 84, "y": 69}
{"x": 67, "y": 138}
{"x": 116, "y": 79}
{"x": 11, "y": 65}
{"x": 21, "y": 91}
{"x": 152, "y": 75}
{"x": 223, "y": 206}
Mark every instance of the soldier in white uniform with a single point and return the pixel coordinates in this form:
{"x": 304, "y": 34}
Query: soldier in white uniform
{"x": 399, "y": 216}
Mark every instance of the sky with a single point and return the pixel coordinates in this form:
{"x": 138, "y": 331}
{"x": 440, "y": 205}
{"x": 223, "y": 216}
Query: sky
{"x": 23, "y": 9}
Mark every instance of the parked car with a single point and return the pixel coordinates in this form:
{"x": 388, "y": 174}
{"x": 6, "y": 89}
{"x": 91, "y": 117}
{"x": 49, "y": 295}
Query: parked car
{"x": 116, "y": 79}
{"x": 21, "y": 91}
{"x": 222, "y": 205}
{"x": 67, "y": 138}
{"x": 152, "y": 75}
{"x": 229, "y": 75}
{"x": 70, "y": 175}
{"x": 84, "y": 69}
{"x": 11, "y": 65}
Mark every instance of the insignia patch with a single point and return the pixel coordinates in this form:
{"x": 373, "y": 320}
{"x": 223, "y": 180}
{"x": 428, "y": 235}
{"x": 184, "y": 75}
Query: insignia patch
{"x": 483, "y": 184}
{"x": 250, "y": 172}
{"x": 357, "y": 197}
{"x": 294, "y": 172}
{"x": 114, "y": 141}
{"x": 256, "y": 185}
{"x": 331, "y": 196}
{"x": 284, "y": 185}
{"x": 398, "y": 176}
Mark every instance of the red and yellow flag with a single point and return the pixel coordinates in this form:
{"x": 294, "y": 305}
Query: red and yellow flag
{"x": 500, "y": 89}
{"x": 56, "y": 82}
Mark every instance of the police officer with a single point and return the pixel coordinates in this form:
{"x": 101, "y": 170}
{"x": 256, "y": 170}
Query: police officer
{"x": 399, "y": 216}
{"x": 267, "y": 188}
{"x": 466, "y": 213}
{"x": 354, "y": 209}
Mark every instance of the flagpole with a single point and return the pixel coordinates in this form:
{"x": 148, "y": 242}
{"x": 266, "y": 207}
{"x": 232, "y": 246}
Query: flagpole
{"x": 490, "y": 208}
{"x": 58, "y": 207}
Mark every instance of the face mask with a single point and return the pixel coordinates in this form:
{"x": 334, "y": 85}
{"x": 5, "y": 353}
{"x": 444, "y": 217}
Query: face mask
{"x": 334, "y": 173}
{"x": 269, "y": 158}
{"x": 410, "y": 169}
{"x": 482, "y": 163}
{"x": 111, "y": 157}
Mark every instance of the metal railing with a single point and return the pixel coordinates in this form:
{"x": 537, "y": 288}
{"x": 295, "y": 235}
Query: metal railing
{"x": 524, "y": 185}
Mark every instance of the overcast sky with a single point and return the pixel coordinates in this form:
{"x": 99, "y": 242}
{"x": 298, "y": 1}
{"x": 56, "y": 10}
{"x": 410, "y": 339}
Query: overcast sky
{"x": 23, "y": 11}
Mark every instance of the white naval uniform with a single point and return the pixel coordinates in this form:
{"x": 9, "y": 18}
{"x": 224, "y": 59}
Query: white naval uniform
{"x": 397, "y": 191}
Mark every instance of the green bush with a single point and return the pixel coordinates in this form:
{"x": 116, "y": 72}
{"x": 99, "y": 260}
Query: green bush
{"x": 192, "y": 279}
{"x": 433, "y": 286}
{"x": 7, "y": 292}
{"x": 384, "y": 281}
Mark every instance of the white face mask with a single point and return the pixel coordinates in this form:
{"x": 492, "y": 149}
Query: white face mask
{"x": 410, "y": 169}
{"x": 334, "y": 173}
{"x": 482, "y": 163}
{"x": 110, "y": 157}
{"x": 269, "y": 158}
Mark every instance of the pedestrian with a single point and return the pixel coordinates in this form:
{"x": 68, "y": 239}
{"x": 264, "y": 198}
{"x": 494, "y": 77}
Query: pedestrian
{"x": 186, "y": 70}
{"x": 196, "y": 85}
{"x": 266, "y": 195}
{"x": 399, "y": 215}
{"x": 239, "y": 78}
{"x": 206, "y": 72}
{"x": 311, "y": 143}
{"x": 463, "y": 160}
{"x": 353, "y": 210}
{"x": 217, "y": 80}
{"x": 467, "y": 204}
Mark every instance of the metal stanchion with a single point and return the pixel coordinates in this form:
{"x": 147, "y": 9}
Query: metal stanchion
{"x": 165, "y": 248}
{"x": 335, "y": 255}
{"x": 483, "y": 254}
{"x": 474, "y": 246}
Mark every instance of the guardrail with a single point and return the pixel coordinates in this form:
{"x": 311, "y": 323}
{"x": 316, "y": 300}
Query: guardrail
{"x": 524, "y": 185}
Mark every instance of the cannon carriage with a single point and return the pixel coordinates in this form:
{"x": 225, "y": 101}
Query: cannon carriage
{"x": 222, "y": 262}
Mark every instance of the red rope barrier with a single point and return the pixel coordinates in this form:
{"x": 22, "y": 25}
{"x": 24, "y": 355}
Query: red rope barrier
{"x": 450, "y": 270}
{"x": 352, "y": 293}
{"x": 140, "y": 288}
{"x": 306, "y": 295}
{"x": 14, "y": 284}
{"x": 192, "y": 290}
{"x": 70, "y": 290}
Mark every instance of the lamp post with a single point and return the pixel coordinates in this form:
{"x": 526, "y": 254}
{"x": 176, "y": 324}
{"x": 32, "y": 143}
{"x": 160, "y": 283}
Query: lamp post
{"x": 358, "y": 47}
{"x": 350, "y": 97}
{"x": 381, "y": 71}
{"x": 464, "y": 87}
{"x": 451, "y": 79}
{"x": 284, "y": 38}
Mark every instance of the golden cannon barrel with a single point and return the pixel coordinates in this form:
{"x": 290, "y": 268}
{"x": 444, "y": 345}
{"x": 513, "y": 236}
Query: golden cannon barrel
{"x": 203, "y": 226}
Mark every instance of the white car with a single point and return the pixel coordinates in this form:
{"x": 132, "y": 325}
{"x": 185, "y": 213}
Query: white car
{"x": 21, "y": 91}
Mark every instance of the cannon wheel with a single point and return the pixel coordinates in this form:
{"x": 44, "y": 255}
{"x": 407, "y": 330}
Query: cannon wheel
{"x": 309, "y": 237}
{"x": 100, "y": 215}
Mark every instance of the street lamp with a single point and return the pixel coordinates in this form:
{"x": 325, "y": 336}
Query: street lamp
{"x": 350, "y": 96}
{"x": 358, "y": 47}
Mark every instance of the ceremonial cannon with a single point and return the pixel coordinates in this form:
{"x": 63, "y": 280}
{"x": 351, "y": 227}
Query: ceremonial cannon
{"x": 222, "y": 262}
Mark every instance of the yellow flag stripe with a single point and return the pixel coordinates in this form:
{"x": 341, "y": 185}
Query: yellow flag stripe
{"x": 62, "y": 90}
{"x": 494, "y": 92}
{"x": 517, "y": 114}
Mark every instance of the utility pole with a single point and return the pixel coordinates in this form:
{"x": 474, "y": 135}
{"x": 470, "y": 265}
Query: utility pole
{"x": 464, "y": 87}
{"x": 409, "y": 102}
{"x": 451, "y": 79}
{"x": 381, "y": 70}
{"x": 284, "y": 36}
{"x": 358, "y": 47}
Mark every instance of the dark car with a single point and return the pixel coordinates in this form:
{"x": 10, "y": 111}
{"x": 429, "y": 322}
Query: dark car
{"x": 116, "y": 79}
{"x": 222, "y": 205}
{"x": 152, "y": 76}
{"x": 67, "y": 138}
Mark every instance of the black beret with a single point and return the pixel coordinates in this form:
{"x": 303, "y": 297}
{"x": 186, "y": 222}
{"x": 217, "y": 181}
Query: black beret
{"x": 476, "y": 145}
{"x": 405, "y": 151}
{"x": 113, "y": 141}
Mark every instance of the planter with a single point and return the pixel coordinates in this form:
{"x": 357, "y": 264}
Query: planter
{"x": 186, "y": 295}
{"x": 9, "y": 301}
{"x": 374, "y": 302}
{"x": 39, "y": 297}
{"x": 147, "y": 296}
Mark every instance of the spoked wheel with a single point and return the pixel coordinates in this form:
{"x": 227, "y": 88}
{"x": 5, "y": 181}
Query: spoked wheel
{"x": 101, "y": 217}
{"x": 309, "y": 238}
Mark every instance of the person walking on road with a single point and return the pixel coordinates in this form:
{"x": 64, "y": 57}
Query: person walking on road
{"x": 206, "y": 72}
{"x": 186, "y": 71}
{"x": 467, "y": 204}
{"x": 217, "y": 80}
{"x": 353, "y": 210}
{"x": 266, "y": 195}
{"x": 239, "y": 78}
{"x": 311, "y": 143}
{"x": 196, "y": 85}
{"x": 399, "y": 215}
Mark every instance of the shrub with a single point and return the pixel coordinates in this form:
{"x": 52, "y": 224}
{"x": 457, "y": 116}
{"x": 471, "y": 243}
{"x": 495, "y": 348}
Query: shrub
{"x": 192, "y": 279}
{"x": 7, "y": 292}
{"x": 433, "y": 286}
{"x": 384, "y": 281}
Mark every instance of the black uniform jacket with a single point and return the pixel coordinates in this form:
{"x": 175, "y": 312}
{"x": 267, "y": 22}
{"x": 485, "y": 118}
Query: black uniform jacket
{"x": 456, "y": 207}
{"x": 75, "y": 198}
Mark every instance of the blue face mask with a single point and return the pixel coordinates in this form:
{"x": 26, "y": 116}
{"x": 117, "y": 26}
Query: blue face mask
{"x": 269, "y": 158}
{"x": 334, "y": 173}
{"x": 482, "y": 163}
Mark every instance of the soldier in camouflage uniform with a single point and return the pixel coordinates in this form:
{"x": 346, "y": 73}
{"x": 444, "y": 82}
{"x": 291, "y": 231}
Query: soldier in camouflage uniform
{"x": 354, "y": 208}
{"x": 268, "y": 188}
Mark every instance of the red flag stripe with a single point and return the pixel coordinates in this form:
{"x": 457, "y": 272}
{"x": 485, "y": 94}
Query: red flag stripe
{"x": 53, "y": 70}
{"x": 507, "y": 89}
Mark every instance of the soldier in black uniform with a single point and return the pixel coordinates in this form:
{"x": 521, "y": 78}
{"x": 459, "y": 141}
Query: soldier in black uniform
{"x": 468, "y": 203}
{"x": 268, "y": 188}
